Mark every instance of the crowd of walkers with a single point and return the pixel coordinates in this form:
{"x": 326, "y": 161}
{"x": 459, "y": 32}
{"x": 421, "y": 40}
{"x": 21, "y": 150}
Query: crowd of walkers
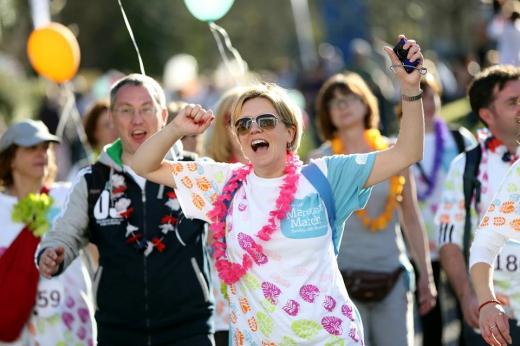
{"x": 166, "y": 241}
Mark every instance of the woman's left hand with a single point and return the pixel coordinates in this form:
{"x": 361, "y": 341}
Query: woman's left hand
{"x": 427, "y": 294}
{"x": 494, "y": 325}
{"x": 409, "y": 81}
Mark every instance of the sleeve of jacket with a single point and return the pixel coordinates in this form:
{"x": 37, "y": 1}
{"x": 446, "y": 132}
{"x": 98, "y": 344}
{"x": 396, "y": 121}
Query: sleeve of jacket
{"x": 70, "y": 229}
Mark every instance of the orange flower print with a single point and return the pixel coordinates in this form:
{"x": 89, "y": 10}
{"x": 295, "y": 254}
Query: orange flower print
{"x": 268, "y": 343}
{"x": 244, "y": 305}
{"x": 233, "y": 289}
{"x": 507, "y": 207}
{"x": 515, "y": 224}
{"x": 499, "y": 221}
{"x": 233, "y": 317}
{"x": 252, "y": 324}
{"x": 176, "y": 168}
{"x": 213, "y": 197}
{"x": 192, "y": 166}
{"x": 459, "y": 217}
{"x": 203, "y": 184}
{"x": 461, "y": 204}
{"x": 492, "y": 207}
{"x": 485, "y": 221}
{"x": 239, "y": 338}
{"x": 445, "y": 218}
{"x": 448, "y": 206}
{"x": 198, "y": 201}
{"x": 186, "y": 181}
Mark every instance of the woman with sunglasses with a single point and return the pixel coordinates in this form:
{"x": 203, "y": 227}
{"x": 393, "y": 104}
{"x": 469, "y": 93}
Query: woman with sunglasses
{"x": 33, "y": 310}
{"x": 272, "y": 242}
{"x": 372, "y": 244}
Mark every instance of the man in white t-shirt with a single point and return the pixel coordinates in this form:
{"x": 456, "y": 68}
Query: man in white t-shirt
{"x": 493, "y": 95}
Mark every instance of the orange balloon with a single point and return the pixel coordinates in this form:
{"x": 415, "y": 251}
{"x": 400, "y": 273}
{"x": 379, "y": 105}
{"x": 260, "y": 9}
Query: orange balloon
{"x": 54, "y": 52}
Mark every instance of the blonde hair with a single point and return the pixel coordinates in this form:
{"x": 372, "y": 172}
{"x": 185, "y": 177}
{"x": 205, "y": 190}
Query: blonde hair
{"x": 219, "y": 146}
{"x": 289, "y": 113}
{"x": 345, "y": 83}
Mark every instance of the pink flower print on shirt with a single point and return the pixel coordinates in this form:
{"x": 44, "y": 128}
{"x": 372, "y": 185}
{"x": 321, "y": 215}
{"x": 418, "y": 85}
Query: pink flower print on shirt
{"x": 81, "y": 333}
{"x": 354, "y": 334}
{"x": 332, "y": 325}
{"x": 329, "y": 303}
{"x": 292, "y": 307}
{"x": 248, "y": 244}
{"x": 271, "y": 292}
{"x": 69, "y": 302}
{"x": 242, "y": 206}
{"x": 83, "y": 314}
{"x": 68, "y": 319}
{"x": 347, "y": 311}
{"x": 309, "y": 293}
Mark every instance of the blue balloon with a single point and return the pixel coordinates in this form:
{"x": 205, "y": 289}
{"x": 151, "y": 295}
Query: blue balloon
{"x": 208, "y": 10}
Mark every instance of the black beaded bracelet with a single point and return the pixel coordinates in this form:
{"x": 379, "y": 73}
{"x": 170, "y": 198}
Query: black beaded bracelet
{"x": 412, "y": 98}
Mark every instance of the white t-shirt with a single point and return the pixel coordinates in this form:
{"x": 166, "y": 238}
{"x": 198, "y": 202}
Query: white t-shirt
{"x": 430, "y": 204}
{"x": 451, "y": 215}
{"x": 298, "y": 296}
{"x": 61, "y": 315}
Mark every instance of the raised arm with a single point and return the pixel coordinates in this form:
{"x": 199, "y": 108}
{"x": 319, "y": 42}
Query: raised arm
{"x": 148, "y": 161}
{"x": 409, "y": 146}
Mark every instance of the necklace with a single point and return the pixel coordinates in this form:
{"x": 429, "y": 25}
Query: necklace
{"x": 431, "y": 181}
{"x": 133, "y": 235}
{"x": 32, "y": 211}
{"x": 395, "y": 190}
{"x": 228, "y": 271}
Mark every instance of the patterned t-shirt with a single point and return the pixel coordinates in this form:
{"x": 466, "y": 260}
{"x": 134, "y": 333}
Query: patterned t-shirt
{"x": 501, "y": 224}
{"x": 297, "y": 297}
{"x": 61, "y": 314}
{"x": 430, "y": 204}
{"x": 451, "y": 215}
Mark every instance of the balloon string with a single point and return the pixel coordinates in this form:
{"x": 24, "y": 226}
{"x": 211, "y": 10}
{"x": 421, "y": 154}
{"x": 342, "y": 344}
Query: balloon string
{"x": 131, "y": 33}
{"x": 71, "y": 111}
{"x": 218, "y": 30}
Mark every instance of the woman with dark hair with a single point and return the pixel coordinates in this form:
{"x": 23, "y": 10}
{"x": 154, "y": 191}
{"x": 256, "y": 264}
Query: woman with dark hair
{"x": 372, "y": 258}
{"x": 100, "y": 132}
{"x": 98, "y": 127}
{"x": 35, "y": 311}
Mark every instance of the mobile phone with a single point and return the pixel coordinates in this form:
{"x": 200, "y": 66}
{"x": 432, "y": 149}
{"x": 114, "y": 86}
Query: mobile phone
{"x": 402, "y": 55}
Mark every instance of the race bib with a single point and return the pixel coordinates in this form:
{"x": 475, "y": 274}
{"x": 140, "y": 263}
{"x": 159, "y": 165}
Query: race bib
{"x": 507, "y": 260}
{"x": 50, "y": 297}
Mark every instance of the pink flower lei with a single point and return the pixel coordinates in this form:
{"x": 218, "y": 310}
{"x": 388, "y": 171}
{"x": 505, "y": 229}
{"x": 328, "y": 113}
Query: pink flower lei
{"x": 228, "y": 271}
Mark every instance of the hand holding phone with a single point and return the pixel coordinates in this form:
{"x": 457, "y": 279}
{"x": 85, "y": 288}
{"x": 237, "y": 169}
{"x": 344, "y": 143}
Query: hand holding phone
{"x": 402, "y": 54}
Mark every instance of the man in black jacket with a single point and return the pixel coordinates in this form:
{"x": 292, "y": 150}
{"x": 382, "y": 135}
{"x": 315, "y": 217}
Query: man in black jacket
{"x": 151, "y": 287}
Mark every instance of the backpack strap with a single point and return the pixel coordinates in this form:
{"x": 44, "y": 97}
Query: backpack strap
{"x": 459, "y": 139}
{"x": 319, "y": 181}
{"x": 471, "y": 185}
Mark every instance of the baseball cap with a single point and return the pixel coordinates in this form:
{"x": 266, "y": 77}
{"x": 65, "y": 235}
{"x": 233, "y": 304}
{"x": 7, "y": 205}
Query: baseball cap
{"x": 26, "y": 133}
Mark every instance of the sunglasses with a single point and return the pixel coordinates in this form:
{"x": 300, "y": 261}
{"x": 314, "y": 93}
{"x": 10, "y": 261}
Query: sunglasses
{"x": 263, "y": 121}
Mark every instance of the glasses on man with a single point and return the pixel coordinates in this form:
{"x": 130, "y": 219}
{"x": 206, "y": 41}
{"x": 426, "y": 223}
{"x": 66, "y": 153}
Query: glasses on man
{"x": 128, "y": 111}
{"x": 263, "y": 121}
{"x": 343, "y": 101}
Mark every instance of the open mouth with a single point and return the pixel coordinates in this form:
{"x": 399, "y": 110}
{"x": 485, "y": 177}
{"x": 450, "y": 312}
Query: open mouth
{"x": 138, "y": 135}
{"x": 259, "y": 144}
